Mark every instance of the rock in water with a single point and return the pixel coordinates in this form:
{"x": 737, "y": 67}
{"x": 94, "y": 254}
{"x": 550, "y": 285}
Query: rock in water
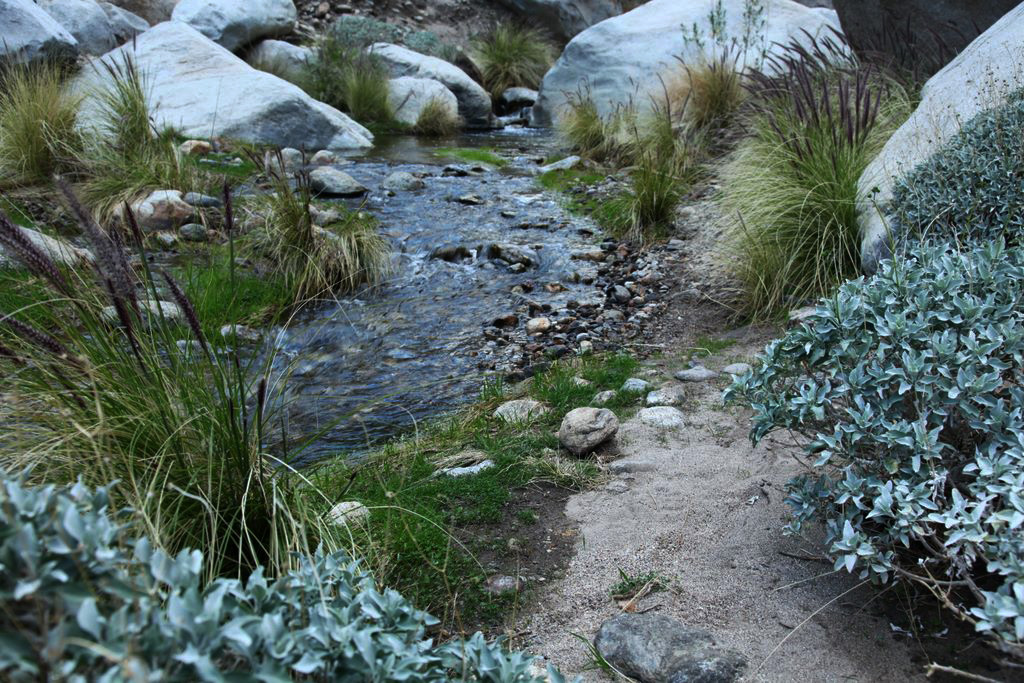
{"x": 402, "y": 181}
{"x": 204, "y": 91}
{"x": 474, "y": 102}
{"x": 584, "y": 429}
{"x": 627, "y": 73}
{"x": 237, "y": 23}
{"x": 409, "y": 96}
{"x": 331, "y": 181}
{"x": 653, "y": 648}
{"x": 28, "y": 34}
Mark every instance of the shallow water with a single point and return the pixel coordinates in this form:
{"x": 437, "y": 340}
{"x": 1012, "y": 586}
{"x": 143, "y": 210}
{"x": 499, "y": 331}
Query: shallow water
{"x": 375, "y": 364}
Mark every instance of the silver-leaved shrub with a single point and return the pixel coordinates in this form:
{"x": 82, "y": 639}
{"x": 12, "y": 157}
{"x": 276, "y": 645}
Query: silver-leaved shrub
{"x": 81, "y": 601}
{"x": 908, "y": 389}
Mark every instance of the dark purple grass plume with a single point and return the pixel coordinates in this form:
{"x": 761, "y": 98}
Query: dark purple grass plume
{"x": 36, "y": 260}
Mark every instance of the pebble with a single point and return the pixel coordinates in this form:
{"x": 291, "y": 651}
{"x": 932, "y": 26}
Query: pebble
{"x": 636, "y": 384}
{"x": 630, "y": 466}
{"x": 193, "y": 232}
{"x": 698, "y": 373}
{"x": 470, "y": 200}
{"x": 664, "y": 417}
{"x": 466, "y": 471}
{"x": 603, "y": 397}
{"x": 538, "y": 325}
{"x": 666, "y": 396}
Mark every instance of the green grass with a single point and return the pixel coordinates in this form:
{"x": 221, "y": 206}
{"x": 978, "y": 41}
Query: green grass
{"x": 473, "y": 155}
{"x": 630, "y": 584}
{"x": 436, "y": 120}
{"x": 347, "y": 77}
{"x": 38, "y": 136}
{"x": 711, "y": 92}
{"x": 512, "y": 56}
{"x": 566, "y": 180}
{"x": 709, "y": 346}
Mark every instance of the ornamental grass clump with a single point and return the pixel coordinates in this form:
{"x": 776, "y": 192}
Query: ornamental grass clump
{"x": 84, "y": 596}
{"x": 511, "y": 56}
{"x": 906, "y": 391}
{"x": 116, "y": 380}
{"x": 345, "y": 76}
{"x": 790, "y": 189}
{"x": 436, "y": 119}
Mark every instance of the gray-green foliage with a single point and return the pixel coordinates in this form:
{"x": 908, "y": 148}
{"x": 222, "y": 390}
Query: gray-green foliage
{"x": 974, "y": 187}
{"x": 359, "y": 32}
{"x": 82, "y": 601}
{"x": 908, "y": 390}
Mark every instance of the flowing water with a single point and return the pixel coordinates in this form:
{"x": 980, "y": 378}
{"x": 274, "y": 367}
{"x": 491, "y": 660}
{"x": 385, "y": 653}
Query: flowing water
{"x": 373, "y": 365}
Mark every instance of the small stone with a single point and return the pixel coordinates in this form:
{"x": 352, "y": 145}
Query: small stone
{"x": 195, "y": 148}
{"x": 162, "y": 210}
{"x": 612, "y": 315}
{"x": 505, "y": 321}
{"x": 402, "y": 181}
{"x": 520, "y": 410}
{"x": 636, "y": 384}
{"x": 166, "y": 239}
{"x": 167, "y": 309}
{"x": 324, "y": 158}
{"x": 664, "y": 417}
{"x": 595, "y": 255}
{"x": 631, "y": 466}
{"x": 697, "y": 373}
{"x": 538, "y": 325}
{"x": 580, "y": 382}
{"x": 193, "y": 232}
{"x": 241, "y": 332}
{"x": 470, "y": 200}
{"x": 508, "y": 214}
{"x": 323, "y": 217}
{"x": 468, "y": 470}
{"x": 513, "y": 253}
{"x": 621, "y": 294}
{"x": 603, "y": 397}
{"x": 617, "y": 486}
{"x": 556, "y": 351}
{"x": 737, "y": 369}
{"x": 331, "y": 181}
{"x": 348, "y": 512}
{"x": 666, "y": 396}
{"x": 202, "y": 200}
{"x": 586, "y": 346}
{"x": 500, "y": 585}
{"x": 584, "y": 429}
{"x": 676, "y": 245}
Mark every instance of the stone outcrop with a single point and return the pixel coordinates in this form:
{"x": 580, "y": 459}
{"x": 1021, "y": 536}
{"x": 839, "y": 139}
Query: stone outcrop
{"x": 204, "y": 91}
{"x": 980, "y": 78}
{"x": 237, "y": 23}
{"x": 30, "y": 34}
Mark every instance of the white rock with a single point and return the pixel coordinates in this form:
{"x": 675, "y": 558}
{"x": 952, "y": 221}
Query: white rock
{"x": 538, "y": 325}
{"x": 152, "y": 11}
{"x": 236, "y": 23}
{"x": 325, "y": 158}
{"x": 168, "y": 310}
{"x": 204, "y": 91}
{"x": 736, "y": 369}
{"x": 474, "y": 102}
{"x": 635, "y": 384}
{"x": 520, "y": 410}
{"x": 279, "y": 56}
{"x": 584, "y": 429}
{"x": 61, "y": 251}
{"x": 561, "y": 165}
{"x": 662, "y": 416}
{"x": 331, "y": 181}
{"x": 195, "y": 148}
{"x": 666, "y": 396}
{"x": 124, "y": 23}
{"x": 625, "y": 58}
{"x": 564, "y": 18}
{"x": 409, "y": 96}
{"x": 603, "y": 397}
{"x": 162, "y": 210}
{"x": 467, "y": 471}
{"x": 91, "y": 25}
{"x": 979, "y": 79}
{"x": 348, "y": 512}
{"x": 402, "y": 181}
{"x": 29, "y": 34}
{"x": 518, "y": 97}
{"x": 698, "y": 373}
{"x": 241, "y": 332}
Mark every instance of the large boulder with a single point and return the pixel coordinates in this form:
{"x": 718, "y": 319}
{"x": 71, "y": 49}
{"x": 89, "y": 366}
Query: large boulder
{"x": 980, "y": 78}
{"x": 607, "y": 59}
{"x": 409, "y": 96}
{"x": 204, "y": 91}
{"x": 565, "y": 18}
{"x": 584, "y": 429}
{"x": 279, "y": 57}
{"x": 923, "y": 29}
{"x": 474, "y": 102}
{"x": 237, "y": 23}
{"x": 97, "y": 29}
{"x": 153, "y": 11}
{"x": 29, "y": 34}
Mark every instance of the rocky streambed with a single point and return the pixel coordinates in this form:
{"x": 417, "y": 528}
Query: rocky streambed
{"x": 492, "y": 277}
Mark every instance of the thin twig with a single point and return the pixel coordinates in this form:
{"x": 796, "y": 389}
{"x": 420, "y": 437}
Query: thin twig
{"x": 938, "y": 668}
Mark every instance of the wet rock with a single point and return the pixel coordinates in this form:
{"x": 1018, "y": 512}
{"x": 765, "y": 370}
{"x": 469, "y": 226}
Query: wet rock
{"x": 520, "y": 410}
{"x": 653, "y": 648}
{"x": 202, "y": 200}
{"x": 666, "y": 396}
{"x": 595, "y": 255}
{"x": 162, "y": 210}
{"x": 506, "y": 321}
{"x": 517, "y": 98}
{"x": 241, "y": 332}
{"x": 402, "y": 181}
{"x": 538, "y": 325}
{"x": 470, "y": 200}
{"x": 513, "y": 253}
{"x": 635, "y": 384}
{"x": 193, "y": 232}
{"x": 604, "y": 397}
{"x": 331, "y": 181}
{"x": 737, "y": 369}
{"x": 452, "y": 254}
{"x": 325, "y": 157}
{"x": 195, "y": 148}
{"x": 663, "y": 417}
{"x": 697, "y": 373}
{"x": 584, "y": 429}
{"x": 348, "y": 512}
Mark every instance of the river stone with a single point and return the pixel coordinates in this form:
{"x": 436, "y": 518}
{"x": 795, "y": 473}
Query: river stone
{"x": 538, "y": 325}
{"x": 562, "y": 165}
{"x": 202, "y": 200}
{"x": 666, "y": 396}
{"x": 193, "y": 232}
{"x": 564, "y": 18}
{"x": 195, "y": 148}
{"x": 237, "y": 23}
{"x": 606, "y": 58}
{"x": 604, "y": 397}
{"x": 331, "y": 181}
{"x": 736, "y": 369}
{"x": 162, "y": 210}
{"x": 149, "y": 308}
{"x": 347, "y": 512}
{"x": 516, "y": 98}
{"x": 91, "y": 24}
{"x": 204, "y": 91}
{"x": 403, "y": 181}
{"x": 279, "y": 56}
{"x": 697, "y": 373}
{"x": 325, "y": 157}
{"x": 664, "y": 417}
{"x": 653, "y": 648}
{"x": 60, "y": 250}
{"x": 520, "y": 410}
{"x": 409, "y": 96}
{"x": 513, "y": 253}
{"x": 474, "y": 102}
{"x": 635, "y": 384}
{"x": 584, "y": 429}
{"x": 29, "y": 34}
{"x": 981, "y": 78}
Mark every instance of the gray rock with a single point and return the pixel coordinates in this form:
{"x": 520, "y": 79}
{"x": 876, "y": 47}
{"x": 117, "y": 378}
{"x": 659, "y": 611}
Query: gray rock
{"x": 409, "y": 96}
{"x": 736, "y": 369}
{"x": 61, "y": 251}
{"x": 520, "y": 410}
{"x": 565, "y": 18}
{"x": 697, "y": 373}
{"x": 518, "y": 97}
{"x": 561, "y": 165}
{"x": 502, "y": 584}
{"x": 348, "y": 512}
{"x": 166, "y": 239}
{"x": 202, "y": 200}
{"x": 125, "y": 24}
{"x": 635, "y": 384}
{"x": 403, "y": 181}
{"x": 538, "y": 325}
{"x": 663, "y": 417}
{"x": 604, "y": 397}
{"x": 193, "y": 232}
{"x": 513, "y": 253}
{"x": 468, "y": 470}
{"x": 981, "y": 78}
{"x": 474, "y": 102}
{"x": 241, "y": 332}
{"x": 324, "y": 217}
{"x": 202, "y": 90}
{"x": 666, "y": 396}
{"x": 152, "y": 11}
{"x": 162, "y": 210}
{"x": 331, "y": 181}
{"x": 584, "y": 429}
{"x": 325, "y": 158}
{"x": 87, "y": 21}
{"x": 626, "y": 73}
{"x": 168, "y": 310}
{"x": 237, "y": 23}
{"x": 279, "y": 56}
{"x": 30, "y": 34}
{"x": 631, "y": 466}
{"x": 653, "y": 648}
{"x": 621, "y": 294}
